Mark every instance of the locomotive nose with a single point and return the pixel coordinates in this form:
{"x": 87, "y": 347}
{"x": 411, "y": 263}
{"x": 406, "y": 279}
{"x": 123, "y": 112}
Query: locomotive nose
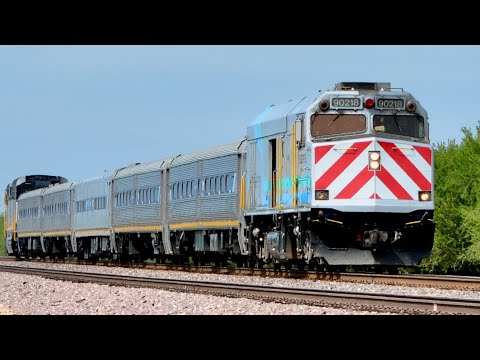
{"x": 373, "y": 172}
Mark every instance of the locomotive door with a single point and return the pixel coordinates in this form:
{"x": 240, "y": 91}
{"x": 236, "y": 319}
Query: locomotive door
{"x": 273, "y": 172}
{"x": 276, "y": 171}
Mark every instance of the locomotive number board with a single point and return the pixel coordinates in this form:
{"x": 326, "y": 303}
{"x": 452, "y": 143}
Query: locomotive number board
{"x": 346, "y": 103}
{"x": 385, "y": 103}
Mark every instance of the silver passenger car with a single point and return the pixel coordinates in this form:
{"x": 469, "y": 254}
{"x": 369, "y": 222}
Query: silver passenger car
{"x": 203, "y": 198}
{"x": 57, "y": 218}
{"x": 137, "y": 211}
{"x": 92, "y": 215}
{"x": 29, "y": 215}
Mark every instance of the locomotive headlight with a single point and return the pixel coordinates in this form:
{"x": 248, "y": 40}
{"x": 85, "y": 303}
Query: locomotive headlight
{"x": 324, "y": 105}
{"x": 374, "y": 165}
{"x": 424, "y": 195}
{"x": 411, "y": 106}
{"x": 374, "y": 160}
{"x": 321, "y": 194}
{"x": 374, "y": 155}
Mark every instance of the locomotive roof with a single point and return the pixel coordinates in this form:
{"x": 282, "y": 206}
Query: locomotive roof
{"x": 276, "y": 119}
{"x": 23, "y": 179}
{"x": 272, "y": 120}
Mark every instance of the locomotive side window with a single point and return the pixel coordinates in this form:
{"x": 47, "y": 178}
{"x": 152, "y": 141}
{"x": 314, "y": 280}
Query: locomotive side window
{"x": 407, "y": 125}
{"x": 335, "y": 124}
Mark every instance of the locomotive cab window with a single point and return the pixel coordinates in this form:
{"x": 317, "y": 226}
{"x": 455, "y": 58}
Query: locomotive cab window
{"x": 336, "y": 124}
{"x": 406, "y": 125}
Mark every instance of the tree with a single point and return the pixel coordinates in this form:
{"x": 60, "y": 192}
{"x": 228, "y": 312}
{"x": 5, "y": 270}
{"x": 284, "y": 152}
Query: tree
{"x": 457, "y": 206}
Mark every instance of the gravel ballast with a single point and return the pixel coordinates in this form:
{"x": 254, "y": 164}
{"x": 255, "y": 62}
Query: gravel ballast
{"x": 33, "y": 295}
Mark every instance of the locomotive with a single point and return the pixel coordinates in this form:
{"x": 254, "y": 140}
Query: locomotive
{"x": 341, "y": 178}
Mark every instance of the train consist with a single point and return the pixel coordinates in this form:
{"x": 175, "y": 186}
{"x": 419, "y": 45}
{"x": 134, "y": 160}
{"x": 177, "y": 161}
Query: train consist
{"x": 340, "y": 178}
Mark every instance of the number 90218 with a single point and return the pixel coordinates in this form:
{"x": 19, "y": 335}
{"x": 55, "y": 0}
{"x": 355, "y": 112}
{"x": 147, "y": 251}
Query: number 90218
{"x": 390, "y": 103}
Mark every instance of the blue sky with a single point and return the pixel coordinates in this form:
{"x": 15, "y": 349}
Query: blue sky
{"x": 79, "y": 110}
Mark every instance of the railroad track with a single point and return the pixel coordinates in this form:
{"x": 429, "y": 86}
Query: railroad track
{"x": 447, "y": 282}
{"x": 403, "y": 304}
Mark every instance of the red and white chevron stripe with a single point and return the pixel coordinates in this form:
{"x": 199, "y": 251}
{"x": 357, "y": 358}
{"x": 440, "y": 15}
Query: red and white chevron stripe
{"x": 342, "y": 168}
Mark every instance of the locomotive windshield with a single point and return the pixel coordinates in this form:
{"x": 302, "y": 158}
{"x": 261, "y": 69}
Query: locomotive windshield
{"x": 406, "y": 125}
{"x": 331, "y": 124}
{"x": 340, "y": 124}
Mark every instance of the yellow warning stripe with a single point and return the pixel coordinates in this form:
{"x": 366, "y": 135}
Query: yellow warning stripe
{"x": 30, "y": 234}
{"x": 93, "y": 231}
{"x": 197, "y": 224}
{"x": 138, "y": 228}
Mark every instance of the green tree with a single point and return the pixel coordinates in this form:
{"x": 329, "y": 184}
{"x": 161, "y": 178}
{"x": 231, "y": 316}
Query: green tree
{"x": 457, "y": 207}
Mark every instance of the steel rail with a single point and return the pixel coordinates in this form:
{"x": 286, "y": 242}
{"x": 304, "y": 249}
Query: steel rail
{"x": 448, "y": 282}
{"x": 329, "y": 298}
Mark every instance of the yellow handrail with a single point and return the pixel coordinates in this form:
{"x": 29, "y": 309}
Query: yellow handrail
{"x": 15, "y": 221}
{"x": 294, "y": 165}
{"x": 242, "y": 192}
{"x": 5, "y": 215}
{"x": 278, "y": 192}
